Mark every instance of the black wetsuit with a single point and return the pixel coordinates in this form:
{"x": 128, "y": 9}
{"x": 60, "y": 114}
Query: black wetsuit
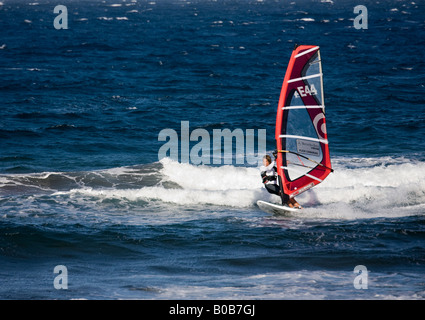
{"x": 270, "y": 180}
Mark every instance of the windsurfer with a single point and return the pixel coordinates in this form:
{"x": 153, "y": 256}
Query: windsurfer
{"x": 269, "y": 176}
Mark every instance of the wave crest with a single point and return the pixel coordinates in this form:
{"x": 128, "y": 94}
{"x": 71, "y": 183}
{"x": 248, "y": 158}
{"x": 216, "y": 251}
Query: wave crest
{"x": 358, "y": 188}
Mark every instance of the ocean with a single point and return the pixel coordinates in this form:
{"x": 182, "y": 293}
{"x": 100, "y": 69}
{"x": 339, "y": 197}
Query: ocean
{"x": 88, "y": 209}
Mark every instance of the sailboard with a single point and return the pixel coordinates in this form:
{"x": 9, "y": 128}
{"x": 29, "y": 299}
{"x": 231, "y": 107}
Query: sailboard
{"x": 276, "y": 209}
{"x": 303, "y": 158}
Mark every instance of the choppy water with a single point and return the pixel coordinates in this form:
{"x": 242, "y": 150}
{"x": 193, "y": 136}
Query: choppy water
{"x": 81, "y": 184}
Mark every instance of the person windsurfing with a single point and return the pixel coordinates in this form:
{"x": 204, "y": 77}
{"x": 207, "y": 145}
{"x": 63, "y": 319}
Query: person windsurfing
{"x": 269, "y": 176}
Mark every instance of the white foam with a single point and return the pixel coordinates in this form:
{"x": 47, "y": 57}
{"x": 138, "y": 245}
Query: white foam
{"x": 385, "y": 183}
{"x": 370, "y": 188}
{"x": 233, "y": 198}
{"x": 376, "y": 183}
{"x": 300, "y": 285}
{"x": 359, "y": 188}
{"x": 205, "y": 177}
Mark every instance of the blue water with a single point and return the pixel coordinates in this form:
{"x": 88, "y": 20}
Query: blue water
{"x": 81, "y": 184}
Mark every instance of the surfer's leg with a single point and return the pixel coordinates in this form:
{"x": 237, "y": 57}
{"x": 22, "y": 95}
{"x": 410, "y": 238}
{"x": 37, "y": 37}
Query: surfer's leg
{"x": 272, "y": 188}
{"x": 285, "y": 199}
{"x": 294, "y": 204}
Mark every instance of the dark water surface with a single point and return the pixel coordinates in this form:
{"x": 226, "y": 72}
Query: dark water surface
{"x": 81, "y": 184}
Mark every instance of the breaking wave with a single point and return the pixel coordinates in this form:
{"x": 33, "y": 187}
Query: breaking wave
{"x": 359, "y": 188}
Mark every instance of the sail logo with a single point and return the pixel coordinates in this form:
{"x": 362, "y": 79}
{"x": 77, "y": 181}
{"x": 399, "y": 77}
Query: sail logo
{"x": 196, "y": 146}
{"x": 320, "y": 125}
{"x": 304, "y": 91}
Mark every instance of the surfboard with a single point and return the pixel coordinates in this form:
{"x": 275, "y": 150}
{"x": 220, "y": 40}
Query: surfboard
{"x": 277, "y": 209}
{"x": 303, "y": 158}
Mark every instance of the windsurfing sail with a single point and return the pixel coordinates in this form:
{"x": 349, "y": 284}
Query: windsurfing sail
{"x": 303, "y": 159}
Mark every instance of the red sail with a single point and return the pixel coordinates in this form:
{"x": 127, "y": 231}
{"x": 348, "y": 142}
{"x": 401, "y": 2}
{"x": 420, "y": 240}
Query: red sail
{"x": 303, "y": 159}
